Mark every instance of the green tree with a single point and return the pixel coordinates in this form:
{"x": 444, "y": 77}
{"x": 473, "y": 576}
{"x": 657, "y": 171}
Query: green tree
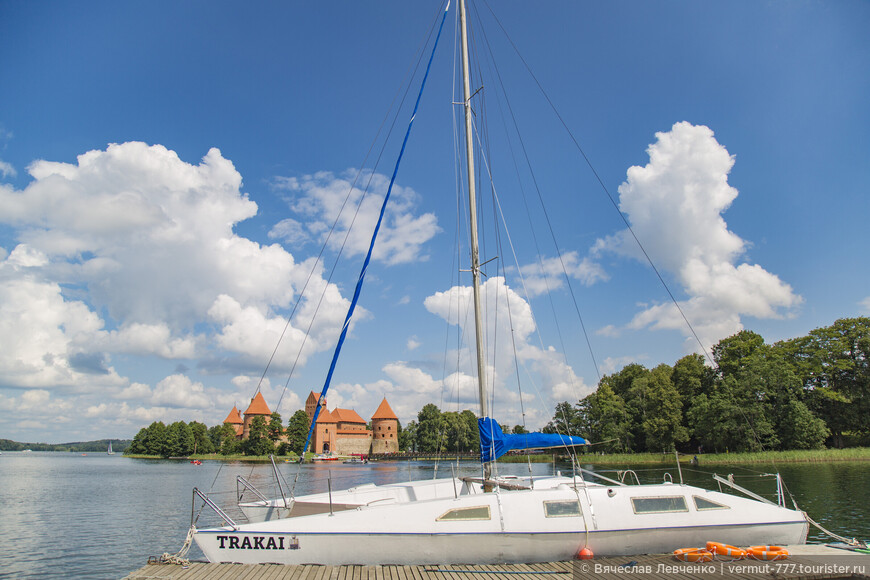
{"x": 179, "y": 440}
{"x": 201, "y": 440}
{"x": 430, "y": 429}
{"x": 833, "y": 365}
{"x": 297, "y": 431}
{"x": 662, "y": 410}
{"x": 620, "y": 382}
{"x": 800, "y": 428}
{"x": 460, "y": 434}
{"x": 215, "y": 435}
{"x": 731, "y": 418}
{"x": 275, "y": 428}
{"x": 137, "y": 447}
{"x": 155, "y": 439}
{"x": 408, "y": 437}
{"x": 730, "y": 353}
{"x": 519, "y": 430}
{"x": 258, "y": 442}
{"x": 567, "y": 420}
{"x": 230, "y": 444}
{"x": 606, "y": 419}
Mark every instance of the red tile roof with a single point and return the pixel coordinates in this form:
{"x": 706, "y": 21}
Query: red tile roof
{"x": 347, "y": 416}
{"x": 384, "y": 411}
{"x": 326, "y": 417}
{"x": 258, "y": 406}
{"x": 234, "y": 418}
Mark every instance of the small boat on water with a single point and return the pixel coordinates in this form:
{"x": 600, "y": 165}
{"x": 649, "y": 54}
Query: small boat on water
{"x": 109, "y": 451}
{"x": 492, "y": 519}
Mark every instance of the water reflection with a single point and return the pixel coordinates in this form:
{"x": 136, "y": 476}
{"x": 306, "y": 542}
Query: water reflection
{"x": 101, "y": 516}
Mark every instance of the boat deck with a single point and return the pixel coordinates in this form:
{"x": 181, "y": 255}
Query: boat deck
{"x": 806, "y": 562}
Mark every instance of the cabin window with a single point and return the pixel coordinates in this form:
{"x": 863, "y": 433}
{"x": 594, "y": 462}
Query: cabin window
{"x": 659, "y": 505}
{"x": 561, "y": 509}
{"x": 469, "y": 513}
{"x": 706, "y": 504}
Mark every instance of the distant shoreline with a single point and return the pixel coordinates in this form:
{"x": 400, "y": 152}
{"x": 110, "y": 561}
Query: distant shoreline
{"x": 793, "y": 456}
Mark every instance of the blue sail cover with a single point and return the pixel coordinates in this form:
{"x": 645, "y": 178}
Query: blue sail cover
{"x": 494, "y": 442}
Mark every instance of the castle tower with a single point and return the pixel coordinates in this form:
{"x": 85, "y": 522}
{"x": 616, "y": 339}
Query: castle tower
{"x": 235, "y": 419}
{"x": 325, "y": 433}
{"x": 385, "y": 429}
{"x": 311, "y": 405}
{"x": 257, "y": 407}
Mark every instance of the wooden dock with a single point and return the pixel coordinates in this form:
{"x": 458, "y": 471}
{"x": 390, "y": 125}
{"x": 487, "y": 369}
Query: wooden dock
{"x": 805, "y": 563}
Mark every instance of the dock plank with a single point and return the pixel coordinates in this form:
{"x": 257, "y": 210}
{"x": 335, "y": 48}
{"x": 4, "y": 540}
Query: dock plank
{"x": 648, "y": 567}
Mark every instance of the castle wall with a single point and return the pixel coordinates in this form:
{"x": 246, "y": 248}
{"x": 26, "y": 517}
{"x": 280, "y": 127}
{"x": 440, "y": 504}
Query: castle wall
{"x": 354, "y": 445}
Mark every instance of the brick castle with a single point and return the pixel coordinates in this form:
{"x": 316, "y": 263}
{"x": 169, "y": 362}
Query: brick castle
{"x": 340, "y": 431}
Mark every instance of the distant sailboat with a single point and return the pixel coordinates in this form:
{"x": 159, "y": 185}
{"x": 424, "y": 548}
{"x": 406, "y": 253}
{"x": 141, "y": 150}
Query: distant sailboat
{"x": 109, "y": 451}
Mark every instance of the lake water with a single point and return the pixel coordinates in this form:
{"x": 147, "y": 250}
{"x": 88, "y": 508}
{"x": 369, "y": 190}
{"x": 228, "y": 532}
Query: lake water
{"x": 65, "y": 515}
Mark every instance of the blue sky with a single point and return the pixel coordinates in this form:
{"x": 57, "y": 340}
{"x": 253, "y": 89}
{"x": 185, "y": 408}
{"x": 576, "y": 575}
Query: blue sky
{"x": 167, "y": 171}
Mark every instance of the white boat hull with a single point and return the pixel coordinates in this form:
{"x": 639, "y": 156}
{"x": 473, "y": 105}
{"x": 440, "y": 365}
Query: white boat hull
{"x": 504, "y": 527}
{"x": 408, "y": 549}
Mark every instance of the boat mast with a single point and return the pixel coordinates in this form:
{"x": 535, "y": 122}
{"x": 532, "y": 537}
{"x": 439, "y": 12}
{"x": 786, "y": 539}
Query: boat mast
{"x": 472, "y": 213}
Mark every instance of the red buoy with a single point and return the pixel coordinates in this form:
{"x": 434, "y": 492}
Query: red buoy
{"x": 585, "y": 554}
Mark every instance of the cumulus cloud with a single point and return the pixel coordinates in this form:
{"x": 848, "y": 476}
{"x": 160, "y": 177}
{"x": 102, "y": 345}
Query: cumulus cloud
{"x": 549, "y": 273}
{"x": 675, "y": 205}
{"x": 320, "y": 198}
{"x": 409, "y": 385}
{"x": 180, "y": 391}
{"x": 7, "y": 170}
{"x": 137, "y": 234}
{"x": 508, "y": 317}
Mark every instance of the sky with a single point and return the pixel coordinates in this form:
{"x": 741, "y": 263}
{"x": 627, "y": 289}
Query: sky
{"x": 170, "y": 173}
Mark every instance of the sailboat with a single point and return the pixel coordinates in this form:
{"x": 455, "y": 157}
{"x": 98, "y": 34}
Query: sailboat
{"x": 491, "y": 518}
{"x": 109, "y": 450}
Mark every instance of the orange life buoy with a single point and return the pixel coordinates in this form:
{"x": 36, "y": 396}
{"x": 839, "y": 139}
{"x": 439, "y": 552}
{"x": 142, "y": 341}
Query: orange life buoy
{"x": 718, "y": 549}
{"x": 693, "y": 555}
{"x": 767, "y": 552}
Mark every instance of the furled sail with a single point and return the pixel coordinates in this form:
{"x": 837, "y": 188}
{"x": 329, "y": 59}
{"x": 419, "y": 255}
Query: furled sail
{"x": 494, "y": 442}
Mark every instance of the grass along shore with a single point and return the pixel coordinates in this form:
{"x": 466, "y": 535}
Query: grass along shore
{"x": 741, "y": 458}
{"x": 793, "y": 456}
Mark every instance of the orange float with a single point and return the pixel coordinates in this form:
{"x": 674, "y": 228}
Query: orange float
{"x": 767, "y": 552}
{"x": 693, "y": 555}
{"x": 718, "y": 549}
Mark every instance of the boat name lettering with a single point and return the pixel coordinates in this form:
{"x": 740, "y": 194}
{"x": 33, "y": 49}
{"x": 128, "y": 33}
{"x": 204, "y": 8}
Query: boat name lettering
{"x": 251, "y": 543}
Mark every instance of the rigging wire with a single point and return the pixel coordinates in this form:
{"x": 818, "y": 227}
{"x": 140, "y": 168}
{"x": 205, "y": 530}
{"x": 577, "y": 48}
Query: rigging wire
{"x": 409, "y": 74}
{"x": 603, "y": 187}
{"x": 365, "y": 265}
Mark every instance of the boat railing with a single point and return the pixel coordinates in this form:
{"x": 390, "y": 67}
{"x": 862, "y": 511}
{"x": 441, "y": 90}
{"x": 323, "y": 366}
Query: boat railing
{"x": 730, "y": 483}
{"x": 625, "y": 473}
{"x": 599, "y": 476}
{"x": 208, "y": 502}
{"x": 243, "y": 484}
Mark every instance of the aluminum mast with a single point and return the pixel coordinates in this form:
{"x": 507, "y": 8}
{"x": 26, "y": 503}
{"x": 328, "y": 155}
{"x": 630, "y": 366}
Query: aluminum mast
{"x": 472, "y": 213}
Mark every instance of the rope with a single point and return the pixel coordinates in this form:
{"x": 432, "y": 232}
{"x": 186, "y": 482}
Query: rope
{"x": 853, "y": 542}
{"x": 179, "y": 558}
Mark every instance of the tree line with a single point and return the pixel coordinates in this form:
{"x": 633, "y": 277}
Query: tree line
{"x": 182, "y": 439}
{"x": 803, "y": 393}
{"x": 100, "y": 445}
